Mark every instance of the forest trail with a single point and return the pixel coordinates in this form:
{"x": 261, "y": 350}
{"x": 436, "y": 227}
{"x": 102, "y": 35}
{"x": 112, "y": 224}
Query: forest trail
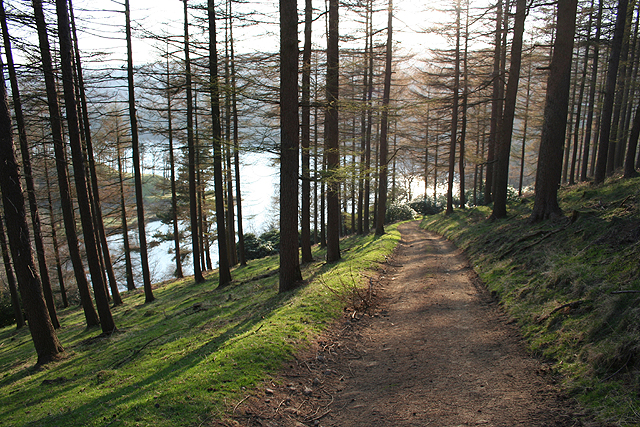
{"x": 436, "y": 350}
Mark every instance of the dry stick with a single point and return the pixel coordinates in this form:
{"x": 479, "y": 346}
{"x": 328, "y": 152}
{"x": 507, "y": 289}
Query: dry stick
{"x": 239, "y": 403}
{"x": 624, "y": 292}
{"x": 624, "y": 201}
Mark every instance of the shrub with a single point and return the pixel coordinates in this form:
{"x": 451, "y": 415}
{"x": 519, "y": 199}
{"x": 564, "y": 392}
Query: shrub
{"x": 425, "y": 206}
{"x": 399, "y": 212}
{"x": 255, "y": 247}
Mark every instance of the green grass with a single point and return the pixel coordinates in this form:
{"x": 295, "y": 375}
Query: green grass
{"x": 186, "y": 358}
{"x": 534, "y": 269}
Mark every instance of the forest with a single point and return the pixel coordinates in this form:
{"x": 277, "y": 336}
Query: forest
{"x": 515, "y": 98}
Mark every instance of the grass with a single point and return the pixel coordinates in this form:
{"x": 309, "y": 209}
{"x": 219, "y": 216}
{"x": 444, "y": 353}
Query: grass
{"x": 186, "y": 358}
{"x": 572, "y": 285}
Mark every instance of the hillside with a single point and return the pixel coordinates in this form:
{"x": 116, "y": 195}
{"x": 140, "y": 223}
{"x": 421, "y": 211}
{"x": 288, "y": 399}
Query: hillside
{"x": 572, "y": 285}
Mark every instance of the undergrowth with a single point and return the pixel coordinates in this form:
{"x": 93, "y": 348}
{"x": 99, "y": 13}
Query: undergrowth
{"x": 573, "y": 285}
{"x": 186, "y": 358}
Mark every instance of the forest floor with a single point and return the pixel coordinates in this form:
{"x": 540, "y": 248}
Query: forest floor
{"x": 433, "y": 349}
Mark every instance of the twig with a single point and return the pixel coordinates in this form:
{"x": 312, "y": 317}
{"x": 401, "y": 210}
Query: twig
{"x": 623, "y": 202}
{"x": 572, "y": 304}
{"x": 320, "y": 416}
{"x": 239, "y": 403}
{"x": 624, "y": 292}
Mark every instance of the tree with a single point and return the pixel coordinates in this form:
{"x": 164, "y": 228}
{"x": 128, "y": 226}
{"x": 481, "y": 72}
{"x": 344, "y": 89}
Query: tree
{"x": 223, "y": 263}
{"x": 193, "y": 195}
{"x": 332, "y": 147}
{"x": 11, "y": 278}
{"x": 609, "y": 94}
{"x": 28, "y": 174}
{"x": 454, "y": 115}
{"x": 305, "y": 219}
{"x": 79, "y": 170}
{"x": 43, "y": 334}
{"x": 290, "y": 275}
{"x": 55, "y": 119}
{"x": 384, "y": 128}
{"x": 137, "y": 173}
{"x": 555, "y": 116}
{"x": 93, "y": 190}
{"x": 503, "y": 146}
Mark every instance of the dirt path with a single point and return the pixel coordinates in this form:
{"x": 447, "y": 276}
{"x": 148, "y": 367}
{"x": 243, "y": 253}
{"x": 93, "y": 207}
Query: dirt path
{"x": 436, "y": 351}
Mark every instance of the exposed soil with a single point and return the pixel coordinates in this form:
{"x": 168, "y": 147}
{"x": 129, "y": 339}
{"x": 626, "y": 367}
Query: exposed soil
{"x": 434, "y": 350}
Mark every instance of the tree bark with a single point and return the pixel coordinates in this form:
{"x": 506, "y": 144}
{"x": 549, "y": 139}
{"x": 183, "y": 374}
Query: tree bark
{"x": 93, "y": 176}
{"x": 43, "y": 334}
{"x": 11, "y": 279}
{"x": 174, "y": 193}
{"x": 454, "y": 116}
{"x": 223, "y": 258}
{"x": 290, "y": 275}
{"x": 332, "y": 147}
{"x": 305, "y": 200}
{"x": 384, "y": 128}
{"x": 555, "y": 116}
{"x": 135, "y": 148}
{"x": 609, "y": 94}
{"x": 93, "y": 259}
{"x": 28, "y": 174}
{"x": 503, "y": 147}
{"x": 592, "y": 93}
{"x": 193, "y": 190}
{"x": 55, "y": 118}
{"x": 496, "y": 105}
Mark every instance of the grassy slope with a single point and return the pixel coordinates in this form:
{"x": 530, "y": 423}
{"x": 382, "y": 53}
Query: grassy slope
{"x": 186, "y": 358}
{"x": 561, "y": 282}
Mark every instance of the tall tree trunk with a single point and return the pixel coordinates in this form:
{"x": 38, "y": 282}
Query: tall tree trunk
{"x": 236, "y": 144}
{"x": 503, "y": 147}
{"x": 43, "y": 334}
{"x": 223, "y": 258}
{"x": 496, "y": 105}
{"x": 231, "y": 232}
{"x": 11, "y": 278}
{"x": 54, "y": 239}
{"x": 137, "y": 174}
{"x": 621, "y": 84}
{"x": 174, "y": 193}
{"x": 384, "y": 128}
{"x": 93, "y": 176}
{"x": 193, "y": 190}
{"x": 369, "y": 109}
{"x": 332, "y": 147}
{"x": 123, "y": 215}
{"x": 583, "y": 78}
{"x": 86, "y": 219}
{"x": 28, "y": 174}
{"x": 592, "y": 92}
{"x": 465, "y": 102}
{"x": 555, "y": 116}
{"x": 524, "y": 129}
{"x": 305, "y": 200}
{"x": 454, "y": 115}
{"x": 629, "y": 169}
{"x": 290, "y": 275}
{"x": 55, "y": 118}
{"x": 609, "y": 94}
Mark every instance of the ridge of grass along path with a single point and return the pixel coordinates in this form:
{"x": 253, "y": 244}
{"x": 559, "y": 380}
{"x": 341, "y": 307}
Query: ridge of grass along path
{"x": 188, "y": 357}
{"x": 572, "y": 285}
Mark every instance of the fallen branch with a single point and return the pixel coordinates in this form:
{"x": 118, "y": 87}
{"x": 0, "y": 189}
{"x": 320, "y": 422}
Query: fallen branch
{"x": 624, "y": 292}
{"x": 239, "y": 403}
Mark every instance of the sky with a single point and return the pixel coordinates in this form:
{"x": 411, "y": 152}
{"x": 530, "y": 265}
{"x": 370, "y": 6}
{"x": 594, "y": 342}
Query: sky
{"x": 105, "y": 26}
